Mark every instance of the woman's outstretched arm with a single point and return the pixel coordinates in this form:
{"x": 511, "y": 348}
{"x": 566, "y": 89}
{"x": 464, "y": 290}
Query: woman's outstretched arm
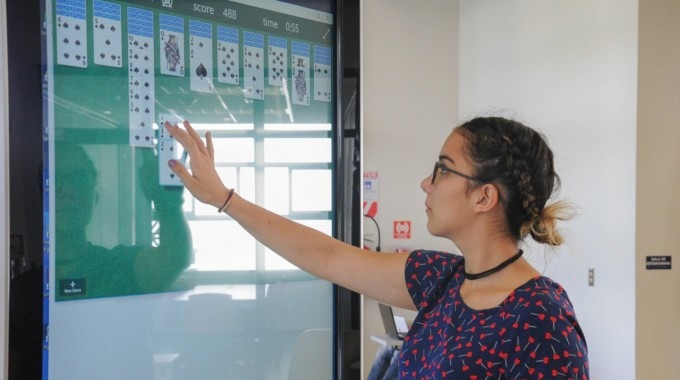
{"x": 377, "y": 275}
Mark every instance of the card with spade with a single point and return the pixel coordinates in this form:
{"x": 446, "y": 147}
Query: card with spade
{"x": 106, "y": 24}
{"x": 299, "y": 73}
{"x": 278, "y": 60}
{"x": 227, "y": 55}
{"x": 322, "y": 73}
{"x": 168, "y": 149}
{"x": 253, "y": 65}
{"x": 200, "y": 56}
{"x": 141, "y": 77}
{"x": 171, "y": 45}
{"x": 71, "y": 33}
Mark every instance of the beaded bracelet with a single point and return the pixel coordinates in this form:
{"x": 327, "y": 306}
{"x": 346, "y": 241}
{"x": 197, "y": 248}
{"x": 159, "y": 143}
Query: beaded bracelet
{"x": 227, "y": 202}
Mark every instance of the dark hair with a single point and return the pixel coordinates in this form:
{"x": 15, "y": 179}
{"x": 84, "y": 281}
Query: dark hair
{"x": 73, "y": 166}
{"x": 517, "y": 159}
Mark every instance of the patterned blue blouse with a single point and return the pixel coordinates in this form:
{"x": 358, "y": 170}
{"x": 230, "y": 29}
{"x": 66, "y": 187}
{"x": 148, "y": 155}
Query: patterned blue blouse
{"x": 532, "y": 334}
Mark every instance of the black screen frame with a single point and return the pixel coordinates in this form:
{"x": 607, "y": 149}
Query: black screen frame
{"x": 25, "y": 82}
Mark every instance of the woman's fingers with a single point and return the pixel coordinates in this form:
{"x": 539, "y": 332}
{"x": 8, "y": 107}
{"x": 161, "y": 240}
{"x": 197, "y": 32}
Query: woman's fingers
{"x": 186, "y": 177}
{"x": 209, "y": 143}
{"x": 195, "y": 136}
{"x": 203, "y": 181}
{"x": 181, "y": 137}
{"x": 190, "y": 140}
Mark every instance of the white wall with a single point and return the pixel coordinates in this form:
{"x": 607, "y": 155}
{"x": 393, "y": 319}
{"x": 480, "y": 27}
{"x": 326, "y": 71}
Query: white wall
{"x": 4, "y": 197}
{"x": 567, "y": 68}
{"x": 410, "y": 98}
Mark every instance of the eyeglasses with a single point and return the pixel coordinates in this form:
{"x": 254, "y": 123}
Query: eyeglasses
{"x": 443, "y": 169}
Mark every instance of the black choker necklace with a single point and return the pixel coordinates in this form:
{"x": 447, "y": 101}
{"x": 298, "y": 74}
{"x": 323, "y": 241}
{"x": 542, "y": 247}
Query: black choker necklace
{"x": 495, "y": 269}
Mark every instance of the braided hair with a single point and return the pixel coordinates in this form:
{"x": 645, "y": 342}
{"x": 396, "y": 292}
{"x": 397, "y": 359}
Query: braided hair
{"x": 517, "y": 159}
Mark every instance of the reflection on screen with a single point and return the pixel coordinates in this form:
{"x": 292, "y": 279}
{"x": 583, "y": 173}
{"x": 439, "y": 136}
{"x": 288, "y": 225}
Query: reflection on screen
{"x": 260, "y": 79}
{"x": 144, "y": 281}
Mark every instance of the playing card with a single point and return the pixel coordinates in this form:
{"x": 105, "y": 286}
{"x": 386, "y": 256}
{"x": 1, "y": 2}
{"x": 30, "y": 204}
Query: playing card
{"x": 200, "y": 45}
{"x": 167, "y": 150}
{"x": 299, "y": 72}
{"x": 141, "y": 77}
{"x": 253, "y": 65}
{"x": 278, "y": 60}
{"x": 71, "y": 33}
{"x": 171, "y": 45}
{"x": 322, "y": 73}
{"x": 172, "y": 119}
{"x": 141, "y": 111}
{"x": 227, "y": 55}
{"x": 106, "y": 25}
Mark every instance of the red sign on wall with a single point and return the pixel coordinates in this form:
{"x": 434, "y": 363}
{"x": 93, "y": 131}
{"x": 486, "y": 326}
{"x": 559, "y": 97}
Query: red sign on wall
{"x": 402, "y": 229}
{"x": 370, "y": 208}
{"x": 371, "y": 193}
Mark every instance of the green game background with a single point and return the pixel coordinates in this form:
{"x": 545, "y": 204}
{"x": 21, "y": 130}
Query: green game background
{"x": 109, "y": 240}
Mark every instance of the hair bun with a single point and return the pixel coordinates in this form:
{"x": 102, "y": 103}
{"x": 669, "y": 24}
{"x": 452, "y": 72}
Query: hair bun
{"x": 543, "y": 228}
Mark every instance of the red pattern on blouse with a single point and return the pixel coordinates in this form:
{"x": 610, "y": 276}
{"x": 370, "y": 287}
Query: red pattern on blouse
{"x": 532, "y": 334}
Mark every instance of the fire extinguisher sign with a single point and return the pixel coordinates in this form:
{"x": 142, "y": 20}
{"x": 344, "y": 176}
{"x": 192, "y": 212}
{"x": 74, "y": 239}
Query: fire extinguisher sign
{"x": 402, "y": 229}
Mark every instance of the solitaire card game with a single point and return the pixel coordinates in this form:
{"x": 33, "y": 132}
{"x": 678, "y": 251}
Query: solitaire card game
{"x": 132, "y": 259}
{"x": 141, "y": 76}
{"x": 106, "y": 25}
{"x": 71, "y": 36}
{"x": 118, "y": 70}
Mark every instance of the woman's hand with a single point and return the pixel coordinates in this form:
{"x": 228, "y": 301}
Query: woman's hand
{"x": 377, "y": 275}
{"x": 203, "y": 182}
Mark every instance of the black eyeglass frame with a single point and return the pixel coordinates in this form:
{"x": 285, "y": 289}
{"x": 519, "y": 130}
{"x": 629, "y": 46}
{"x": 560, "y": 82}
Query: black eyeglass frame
{"x": 444, "y": 169}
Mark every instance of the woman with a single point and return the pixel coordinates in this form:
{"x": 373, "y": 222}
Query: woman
{"x": 484, "y": 314}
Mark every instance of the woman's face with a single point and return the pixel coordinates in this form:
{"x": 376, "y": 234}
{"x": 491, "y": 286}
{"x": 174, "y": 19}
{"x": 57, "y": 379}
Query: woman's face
{"x": 447, "y": 203}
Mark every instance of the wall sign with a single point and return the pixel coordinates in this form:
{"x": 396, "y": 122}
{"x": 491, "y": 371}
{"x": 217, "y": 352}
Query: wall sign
{"x": 658, "y": 262}
{"x": 371, "y": 193}
{"x": 402, "y": 229}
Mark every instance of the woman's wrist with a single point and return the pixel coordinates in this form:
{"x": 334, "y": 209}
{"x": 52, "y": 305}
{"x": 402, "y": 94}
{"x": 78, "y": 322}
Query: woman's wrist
{"x": 227, "y": 202}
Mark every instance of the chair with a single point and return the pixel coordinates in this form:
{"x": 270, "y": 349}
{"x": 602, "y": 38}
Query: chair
{"x": 311, "y": 355}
